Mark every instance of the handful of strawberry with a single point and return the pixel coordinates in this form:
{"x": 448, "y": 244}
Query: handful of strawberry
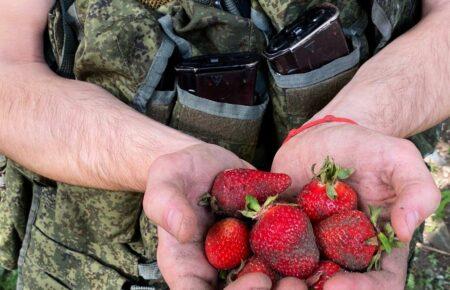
{"x": 320, "y": 235}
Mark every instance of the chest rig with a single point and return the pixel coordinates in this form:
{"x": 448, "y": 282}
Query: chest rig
{"x": 63, "y": 236}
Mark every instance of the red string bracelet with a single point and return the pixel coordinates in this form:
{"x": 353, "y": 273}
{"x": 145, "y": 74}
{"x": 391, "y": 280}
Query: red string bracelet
{"x": 326, "y": 119}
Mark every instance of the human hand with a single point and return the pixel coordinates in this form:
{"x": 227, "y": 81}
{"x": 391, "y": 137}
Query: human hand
{"x": 390, "y": 173}
{"x": 184, "y": 266}
{"x": 175, "y": 184}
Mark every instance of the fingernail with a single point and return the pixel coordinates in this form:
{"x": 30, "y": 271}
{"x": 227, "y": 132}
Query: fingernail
{"x": 412, "y": 220}
{"x": 174, "y": 220}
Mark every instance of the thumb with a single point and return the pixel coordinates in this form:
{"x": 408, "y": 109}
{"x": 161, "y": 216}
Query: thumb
{"x": 418, "y": 196}
{"x": 251, "y": 281}
{"x": 165, "y": 202}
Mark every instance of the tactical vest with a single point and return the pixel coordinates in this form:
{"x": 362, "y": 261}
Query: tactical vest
{"x": 68, "y": 237}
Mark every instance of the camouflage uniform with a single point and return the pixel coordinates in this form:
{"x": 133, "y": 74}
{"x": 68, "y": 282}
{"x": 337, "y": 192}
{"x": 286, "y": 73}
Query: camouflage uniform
{"x": 63, "y": 236}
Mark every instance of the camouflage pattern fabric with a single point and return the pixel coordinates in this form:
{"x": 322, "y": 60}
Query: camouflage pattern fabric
{"x": 82, "y": 235}
{"x": 393, "y": 17}
{"x": 154, "y": 4}
{"x": 84, "y": 238}
{"x": 15, "y": 201}
{"x": 55, "y": 31}
{"x": 210, "y": 30}
{"x": 283, "y": 12}
{"x": 120, "y": 41}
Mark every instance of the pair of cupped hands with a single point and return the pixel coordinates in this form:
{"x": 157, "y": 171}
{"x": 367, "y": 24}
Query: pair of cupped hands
{"x": 389, "y": 172}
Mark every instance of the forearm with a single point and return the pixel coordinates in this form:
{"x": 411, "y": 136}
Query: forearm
{"x": 76, "y": 132}
{"x": 404, "y": 89}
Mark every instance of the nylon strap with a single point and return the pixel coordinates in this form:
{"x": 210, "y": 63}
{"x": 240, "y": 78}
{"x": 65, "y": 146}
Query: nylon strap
{"x": 70, "y": 43}
{"x": 149, "y": 271}
{"x": 135, "y": 287}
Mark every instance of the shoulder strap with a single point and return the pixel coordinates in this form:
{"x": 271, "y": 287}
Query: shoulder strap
{"x": 70, "y": 42}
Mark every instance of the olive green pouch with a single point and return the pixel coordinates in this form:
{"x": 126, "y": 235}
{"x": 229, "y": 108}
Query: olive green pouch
{"x": 297, "y": 97}
{"x": 198, "y": 29}
{"x": 234, "y": 127}
{"x": 160, "y": 106}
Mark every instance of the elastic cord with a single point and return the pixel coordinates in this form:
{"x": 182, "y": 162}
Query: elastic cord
{"x": 326, "y": 119}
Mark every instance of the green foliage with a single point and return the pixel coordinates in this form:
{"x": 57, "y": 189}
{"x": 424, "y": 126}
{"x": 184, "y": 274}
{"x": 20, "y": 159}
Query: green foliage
{"x": 445, "y": 200}
{"x": 432, "y": 259}
{"x": 8, "y": 279}
{"x": 411, "y": 282}
{"x": 433, "y": 167}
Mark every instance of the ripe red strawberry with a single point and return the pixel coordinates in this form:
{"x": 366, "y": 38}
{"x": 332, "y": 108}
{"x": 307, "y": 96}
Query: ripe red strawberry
{"x": 231, "y": 186}
{"x": 226, "y": 244}
{"x": 325, "y": 271}
{"x": 348, "y": 239}
{"x": 284, "y": 238}
{"x": 256, "y": 264}
{"x": 326, "y": 194}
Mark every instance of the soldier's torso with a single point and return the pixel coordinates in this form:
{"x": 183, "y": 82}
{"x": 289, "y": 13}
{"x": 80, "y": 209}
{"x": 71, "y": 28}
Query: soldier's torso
{"x": 64, "y": 236}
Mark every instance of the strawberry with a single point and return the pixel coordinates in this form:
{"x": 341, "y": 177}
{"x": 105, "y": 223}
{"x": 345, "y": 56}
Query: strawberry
{"x": 226, "y": 244}
{"x": 354, "y": 241}
{"x": 231, "y": 186}
{"x": 348, "y": 239}
{"x": 283, "y": 237}
{"x": 256, "y": 264}
{"x": 325, "y": 271}
{"x": 326, "y": 194}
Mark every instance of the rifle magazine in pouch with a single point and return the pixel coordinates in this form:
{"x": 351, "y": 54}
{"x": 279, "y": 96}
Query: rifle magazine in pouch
{"x": 234, "y": 127}
{"x": 297, "y": 97}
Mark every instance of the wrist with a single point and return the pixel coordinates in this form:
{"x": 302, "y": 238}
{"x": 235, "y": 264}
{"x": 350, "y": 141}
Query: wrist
{"x": 371, "y": 106}
{"x": 318, "y": 122}
{"x": 149, "y": 141}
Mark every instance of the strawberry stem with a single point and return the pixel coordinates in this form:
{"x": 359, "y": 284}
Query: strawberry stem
{"x": 375, "y": 262}
{"x": 252, "y": 207}
{"x": 329, "y": 173}
{"x": 223, "y": 274}
{"x": 374, "y": 213}
{"x": 386, "y": 239}
{"x": 233, "y": 273}
{"x": 331, "y": 192}
{"x": 204, "y": 200}
{"x": 270, "y": 200}
{"x": 252, "y": 203}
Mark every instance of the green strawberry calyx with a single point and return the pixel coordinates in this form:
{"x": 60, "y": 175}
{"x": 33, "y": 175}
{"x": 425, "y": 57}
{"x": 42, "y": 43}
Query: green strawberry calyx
{"x": 329, "y": 173}
{"x": 252, "y": 207}
{"x": 385, "y": 238}
{"x": 207, "y": 200}
{"x": 223, "y": 274}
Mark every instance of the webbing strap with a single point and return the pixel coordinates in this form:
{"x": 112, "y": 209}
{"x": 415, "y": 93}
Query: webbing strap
{"x": 70, "y": 43}
{"x": 35, "y": 203}
{"x": 149, "y": 271}
{"x": 134, "y": 287}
